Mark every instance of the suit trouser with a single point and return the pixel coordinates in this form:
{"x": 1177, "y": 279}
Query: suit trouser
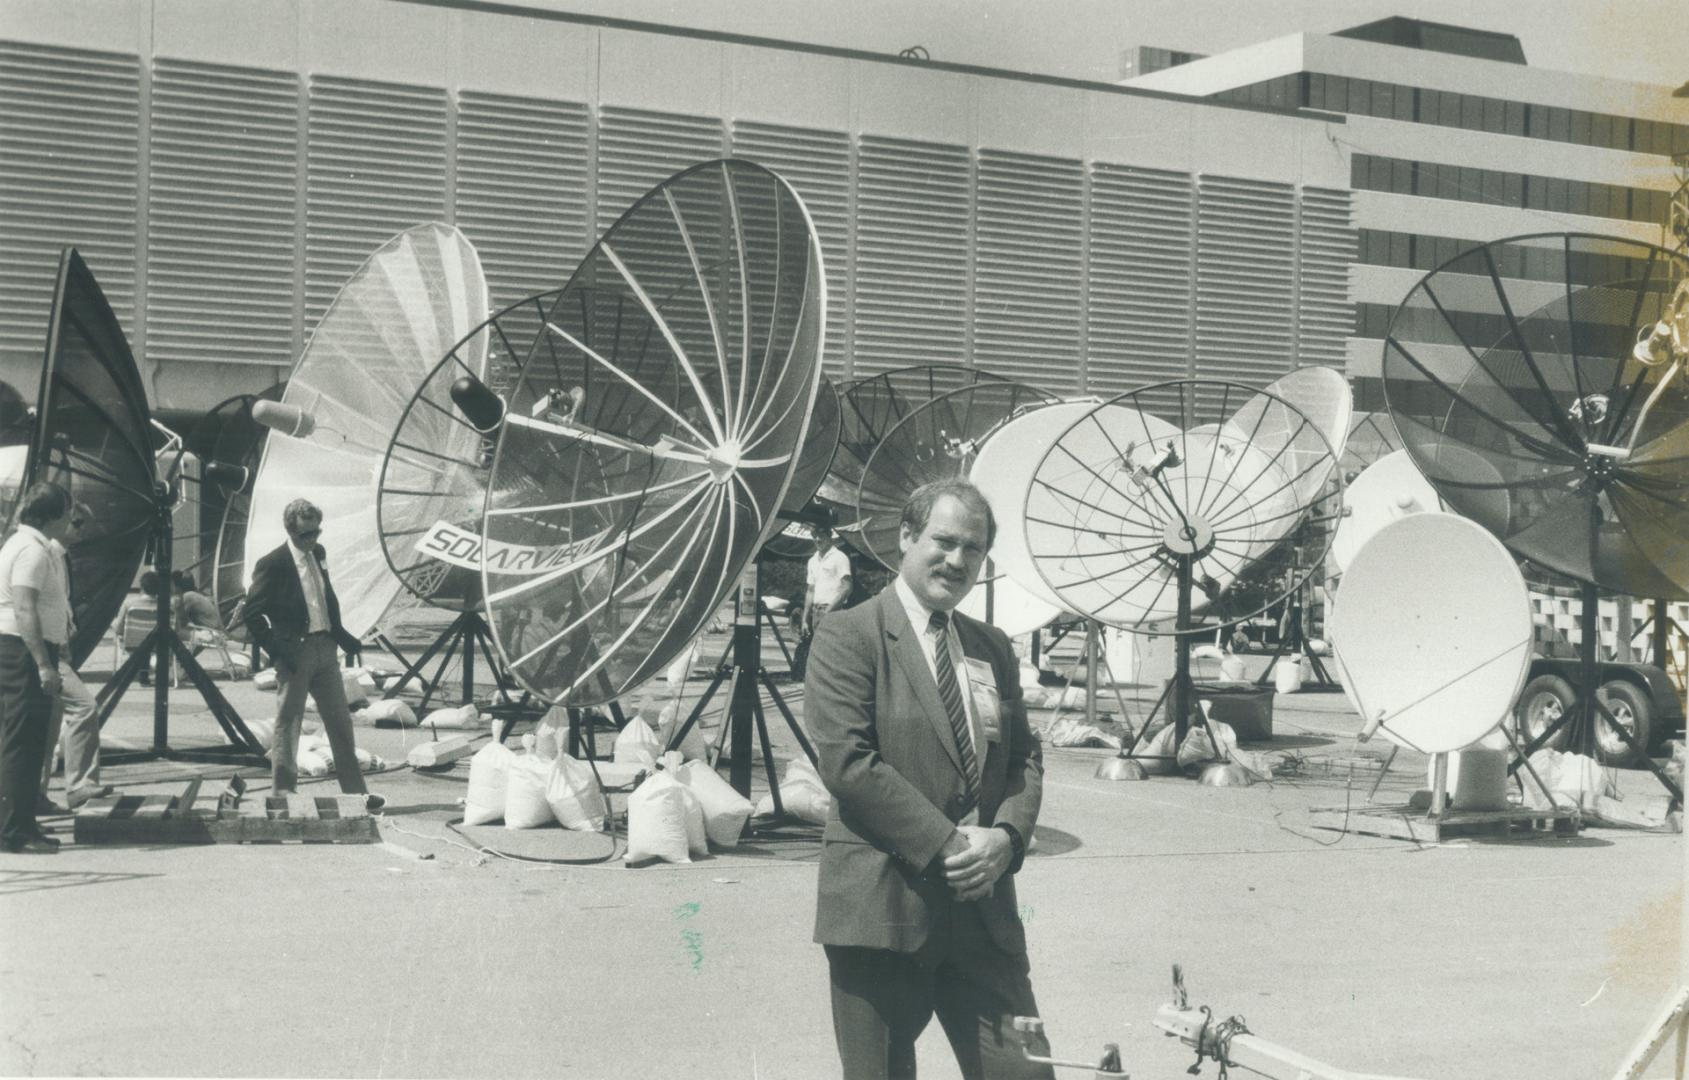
{"x": 883, "y": 1000}
{"x": 24, "y": 711}
{"x": 73, "y": 727}
{"x": 317, "y": 673}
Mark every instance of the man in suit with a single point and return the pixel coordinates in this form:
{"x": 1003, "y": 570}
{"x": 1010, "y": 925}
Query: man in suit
{"x": 293, "y": 614}
{"x": 936, "y": 780}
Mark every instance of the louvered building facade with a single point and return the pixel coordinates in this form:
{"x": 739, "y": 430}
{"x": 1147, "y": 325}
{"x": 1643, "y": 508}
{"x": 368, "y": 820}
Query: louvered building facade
{"x": 225, "y": 169}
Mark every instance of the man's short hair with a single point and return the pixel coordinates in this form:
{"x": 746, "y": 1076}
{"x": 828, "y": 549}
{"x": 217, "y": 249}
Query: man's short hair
{"x": 297, "y": 511}
{"x": 918, "y": 510}
{"x": 43, "y": 501}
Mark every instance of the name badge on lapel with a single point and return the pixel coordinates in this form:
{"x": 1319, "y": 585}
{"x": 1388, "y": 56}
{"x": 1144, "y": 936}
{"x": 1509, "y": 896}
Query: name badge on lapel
{"x": 982, "y": 685}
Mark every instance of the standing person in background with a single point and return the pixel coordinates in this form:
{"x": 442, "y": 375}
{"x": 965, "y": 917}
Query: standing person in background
{"x": 826, "y": 579}
{"x": 73, "y": 726}
{"x": 293, "y": 614}
{"x": 34, "y": 626}
{"x": 826, "y": 586}
{"x": 936, "y": 781}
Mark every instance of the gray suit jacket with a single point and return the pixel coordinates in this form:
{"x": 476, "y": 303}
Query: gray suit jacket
{"x": 889, "y": 757}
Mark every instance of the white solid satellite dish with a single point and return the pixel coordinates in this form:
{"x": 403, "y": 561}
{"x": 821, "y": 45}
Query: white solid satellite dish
{"x": 1390, "y": 488}
{"x": 1434, "y": 660}
{"x": 388, "y": 327}
{"x": 1020, "y": 601}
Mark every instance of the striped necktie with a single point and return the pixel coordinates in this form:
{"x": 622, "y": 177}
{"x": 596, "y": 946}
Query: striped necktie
{"x": 951, "y": 692}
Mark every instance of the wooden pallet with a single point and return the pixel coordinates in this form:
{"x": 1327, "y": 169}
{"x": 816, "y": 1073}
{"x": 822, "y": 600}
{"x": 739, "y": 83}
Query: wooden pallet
{"x": 188, "y": 819}
{"x": 1406, "y": 822}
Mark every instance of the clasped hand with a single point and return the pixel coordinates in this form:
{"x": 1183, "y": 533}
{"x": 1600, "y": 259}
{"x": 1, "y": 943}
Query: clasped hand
{"x": 974, "y": 858}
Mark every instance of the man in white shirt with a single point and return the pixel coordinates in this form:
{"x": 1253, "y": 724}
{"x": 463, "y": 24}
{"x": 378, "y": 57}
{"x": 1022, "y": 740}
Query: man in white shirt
{"x": 293, "y": 615}
{"x": 826, "y": 579}
{"x": 34, "y": 627}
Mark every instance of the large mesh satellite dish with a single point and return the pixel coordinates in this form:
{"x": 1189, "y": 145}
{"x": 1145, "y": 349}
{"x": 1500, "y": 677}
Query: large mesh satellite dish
{"x": 1517, "y": 381}
{"x": 1523, "y": 403}
{"x": 382, "y": 336}
{"x": 93, "y": 434}
{"x": 651, "y": 435}
{"x": 1133, "y": 491}
{"x": 1177, "y": 508}
{"x": 869, "y": 408}
{"x": 1434, "y": 661}
{"x": 937, "y": 440}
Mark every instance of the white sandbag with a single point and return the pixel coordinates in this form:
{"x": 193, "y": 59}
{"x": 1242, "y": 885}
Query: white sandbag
{"x": 574, "y": 797}
{"x": 391, "y": 713}
{"x": 697, "y": 829}
{"x": 1157, "y": 750}
{"x": 637, "y": 738}
{"x": 489, "y": 776}
{"x": 1198, "y": 747}
{"x": 551, "y": 734}
{"x": 1029, "y": 679}
{"x": 657, "y": 814}
{"x": 525, "y": 803}
{"x": 802, "y": 794}
{"x": 693, "y": 747}
{"x": 1071, "y": 731}
{"x": 310, "y": 763}
{"x": 352, "y": 681}
{"x": 457, "y": 718}
{"x": 264, "y": 731}
{"x": 725, "y": 810}
{"x": 265, "y": 680}
{"x": 368, "y": 762}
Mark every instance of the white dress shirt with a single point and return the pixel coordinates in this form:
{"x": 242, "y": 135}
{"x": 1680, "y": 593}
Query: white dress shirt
{"x": 28, "y": 560}
{"x": 920, "y": 617}
{"x": 316, "y": 596}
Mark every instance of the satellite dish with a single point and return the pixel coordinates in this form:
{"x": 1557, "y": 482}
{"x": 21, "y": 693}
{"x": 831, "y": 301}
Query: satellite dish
{"x": 821, "y": 444}
{"x": 1003, "y": 471}
{"x": 1388, "y": 489}
{"x": 1434, "y": 659}
{"x": 385, "y": 332}
{"x": 652, "y": 433}
{"x": 1127, "y": 499}
{"x": 93, "y": 434}
{"x": 1524, "y": 403}
{"x": 869, "y": 408}
{"x": 937, "y": 440}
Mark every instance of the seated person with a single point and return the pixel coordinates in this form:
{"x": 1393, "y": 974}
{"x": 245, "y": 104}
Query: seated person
{"x": 191, "y": 607}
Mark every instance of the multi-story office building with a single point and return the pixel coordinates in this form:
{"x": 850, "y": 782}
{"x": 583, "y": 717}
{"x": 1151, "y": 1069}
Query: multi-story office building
{"x": 225, "y": 167}
{"x": 1455, "y": 140}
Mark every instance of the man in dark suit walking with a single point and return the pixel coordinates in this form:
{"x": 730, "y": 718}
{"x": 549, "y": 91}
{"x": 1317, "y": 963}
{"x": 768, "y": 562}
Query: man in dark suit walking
{"x": 936, "y": 781}
{"x": 293, "y": 614}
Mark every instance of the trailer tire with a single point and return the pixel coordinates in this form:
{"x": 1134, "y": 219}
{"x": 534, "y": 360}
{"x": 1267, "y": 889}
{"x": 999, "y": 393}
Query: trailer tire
{"x": 1631, "y": 707}
{"x": 1543, "y": 701}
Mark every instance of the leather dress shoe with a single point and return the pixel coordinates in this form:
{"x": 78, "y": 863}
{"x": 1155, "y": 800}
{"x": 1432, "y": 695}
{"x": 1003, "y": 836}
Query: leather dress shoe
{"x": 48, "y": 808}
{"x": 31, "y": 845}
{"x": 374, "y": 803}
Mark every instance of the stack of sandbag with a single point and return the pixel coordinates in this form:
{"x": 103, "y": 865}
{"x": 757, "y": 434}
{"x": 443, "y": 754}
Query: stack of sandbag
{"x": 725, "y": 810}
{"x": 1158, "y": 751}
{"x": 802, "y": 794}
{"x": 455, "y": 718}
{"x": 1198, "y": 748}
{"x": 489, "y": 777}
{"x": 665, "y": 822}
{"x": 391, "y": 713}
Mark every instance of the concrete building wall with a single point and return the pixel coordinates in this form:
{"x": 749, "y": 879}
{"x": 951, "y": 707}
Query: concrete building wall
{"x": 225, "y": 167}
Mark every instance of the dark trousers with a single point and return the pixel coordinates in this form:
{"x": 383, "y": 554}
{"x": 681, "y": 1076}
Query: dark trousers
{"x": 316, "y": 671}
{"x": 25, "y": 710}
{"x": 883, "y": 1000}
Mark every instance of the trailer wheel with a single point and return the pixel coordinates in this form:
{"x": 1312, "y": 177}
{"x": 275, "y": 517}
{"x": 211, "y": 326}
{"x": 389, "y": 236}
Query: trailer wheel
{"x": 1630, "y": 706}
{"x": 1544, "y": 700}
